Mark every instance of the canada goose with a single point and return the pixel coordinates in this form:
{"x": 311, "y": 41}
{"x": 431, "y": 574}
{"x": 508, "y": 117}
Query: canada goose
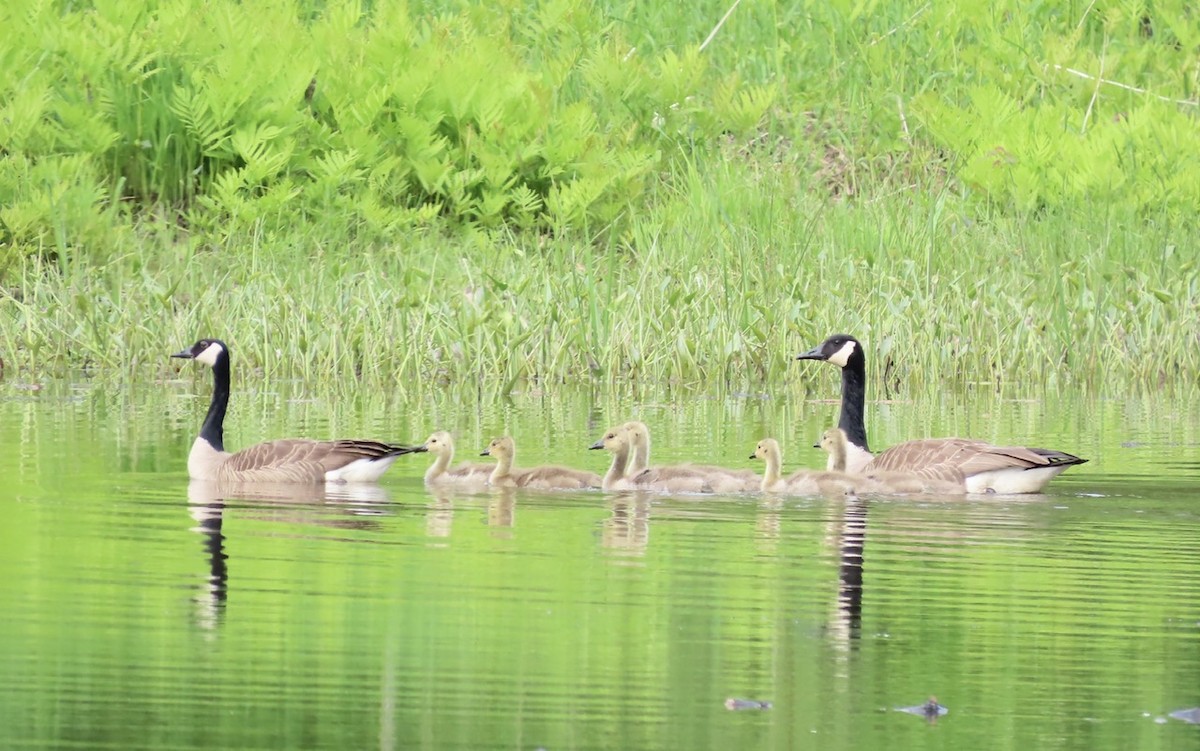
{"x": 296, "y": 460}
{"x": 834, "y": 441}
{"x": 723, "y": 479}
{"x": 539, "y": 478}
{"x": 441, "y": 445}
{"x": 984, "y": 467}
{"x": 800, "y": 482}
{"x": 666, "y": 479}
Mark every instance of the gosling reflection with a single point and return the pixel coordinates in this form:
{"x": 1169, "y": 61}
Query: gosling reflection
{"x": 767, "y": 524}
{"x": 502, "y": 511}
{"x": 439, "y": 519}
{"x": 627, "y": 529}
{"x": 209, "y": 511}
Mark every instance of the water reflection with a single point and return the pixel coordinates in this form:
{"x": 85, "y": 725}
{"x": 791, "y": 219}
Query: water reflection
{"x": 930, "y": 710}
{"x": 336, "y": 636}
{"x": 353, "y": 506}
{"x": 627, "y": 529}
{"x": 767, "y": 523}
{"x": 502, "y": 511}
{"x": 1188, "y": 715}
{"x": 209, "y": 513}
{"x": 851, "y": 549}
{"x": 439, "y": 520}
{"x": 277, "y": 502}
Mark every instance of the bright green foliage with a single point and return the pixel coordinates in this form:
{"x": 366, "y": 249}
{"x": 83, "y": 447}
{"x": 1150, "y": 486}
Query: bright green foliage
{"x": 1048, "y": 116}
{"x": 371, "y": 119}
{"x": 1027, "y": 105}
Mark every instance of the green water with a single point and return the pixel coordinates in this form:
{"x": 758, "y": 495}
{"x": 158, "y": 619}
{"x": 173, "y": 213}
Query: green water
{"x": 142, "y": 612}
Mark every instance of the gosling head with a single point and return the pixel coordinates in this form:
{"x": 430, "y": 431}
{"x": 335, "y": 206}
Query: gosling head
{"x": 840, "y": 349}
{"x": 638, "y": 432}
{"x": 614, "y": 440}
{"x": 832, "y": 440}
{"x": 207, "y": 351}
{"x": 439, "y": 442}
{"x": 765, "y": 448}
{"x": 501, "y": 446}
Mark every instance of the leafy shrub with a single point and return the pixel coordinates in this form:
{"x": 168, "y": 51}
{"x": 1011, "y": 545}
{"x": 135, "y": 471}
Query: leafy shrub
{"x": 1053, "y": 120}
{"x": 374, "y": 121}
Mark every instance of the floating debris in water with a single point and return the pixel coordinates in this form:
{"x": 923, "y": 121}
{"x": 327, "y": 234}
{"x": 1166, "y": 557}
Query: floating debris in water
{"x": 740, "y": 704}
{"x": 1188, "y": 715}
{"x": 930, "y": 710}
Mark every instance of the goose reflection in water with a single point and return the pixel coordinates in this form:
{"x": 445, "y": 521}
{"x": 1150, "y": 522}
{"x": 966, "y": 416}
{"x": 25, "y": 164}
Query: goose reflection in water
{"x": 627, "y": 529}
{"x": 849, "y": 535}
{"x": 209, "y": 512}
{"x": 324, "y": 506}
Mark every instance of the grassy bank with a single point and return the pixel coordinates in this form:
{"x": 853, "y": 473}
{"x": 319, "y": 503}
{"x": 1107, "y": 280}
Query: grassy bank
{"x": 722, "y": 285}
{"x": 570, "y": 190}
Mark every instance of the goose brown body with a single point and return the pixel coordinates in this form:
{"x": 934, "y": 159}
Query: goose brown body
{"x": 884, "y": 481}
{"x": 287, "y": 460}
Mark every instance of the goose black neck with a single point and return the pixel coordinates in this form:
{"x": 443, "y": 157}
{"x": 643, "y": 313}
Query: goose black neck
{"x": 213, "y": 429}
{"x": 854, "y": 395}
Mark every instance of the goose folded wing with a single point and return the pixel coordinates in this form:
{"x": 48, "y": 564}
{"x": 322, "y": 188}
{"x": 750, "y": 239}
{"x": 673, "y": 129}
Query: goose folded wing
{"x": 911, "y": 456}
{"x": 301, "y": 460}
{"x": 954, "y": 459}
{"x": 994, "y": 458}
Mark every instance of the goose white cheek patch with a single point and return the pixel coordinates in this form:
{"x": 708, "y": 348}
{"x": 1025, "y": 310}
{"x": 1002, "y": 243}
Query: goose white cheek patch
{"x": 210, "y": 354}
{"x": 842, "y": 356}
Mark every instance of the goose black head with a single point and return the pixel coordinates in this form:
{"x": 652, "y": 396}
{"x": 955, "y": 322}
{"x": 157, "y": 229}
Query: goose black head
{"x": 839, "y": 349}
{"x": 207, "y": 351}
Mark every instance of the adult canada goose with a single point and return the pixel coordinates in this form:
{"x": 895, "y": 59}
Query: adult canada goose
{"x": 296, "y": 460}
{"x": 546, "y": 477}
{"x": 834, "y": 441}
{"x": 800, "y": 482}
{"x": 667, "y": 479}
{"x": 723, "y": 479}
{"x": 984, "y": 467}
{"x": 441, "y": 445}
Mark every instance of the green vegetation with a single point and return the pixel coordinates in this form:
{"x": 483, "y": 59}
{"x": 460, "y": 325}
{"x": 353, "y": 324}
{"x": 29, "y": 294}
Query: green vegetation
{"x": 392, "y": 193}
